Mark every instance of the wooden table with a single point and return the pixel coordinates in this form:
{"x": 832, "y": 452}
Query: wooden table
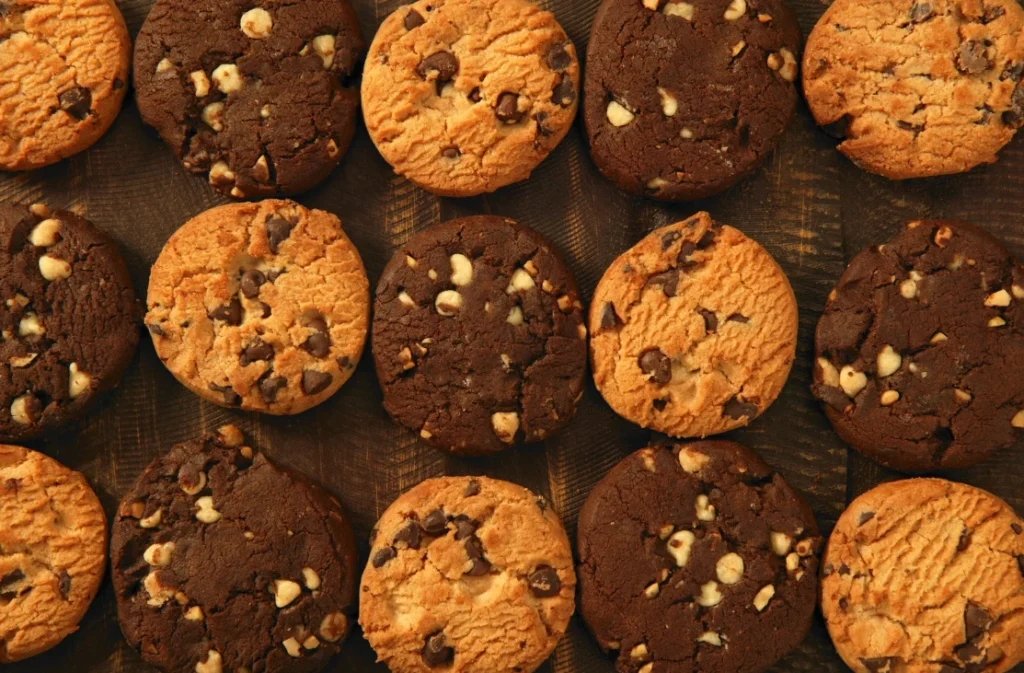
{"x": 808, "y": 205}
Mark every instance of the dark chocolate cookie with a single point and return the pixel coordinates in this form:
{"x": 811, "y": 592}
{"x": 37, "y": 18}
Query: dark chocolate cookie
{"x": 920, "y": 351}
{"x": 697, "y": 557}
{"x": 258, "y": 97}
{"x": 68, "y": 319}
{"x": 478, "y": 336}
{"x": 224, "y": 561}
{"x": 684, "y": 99}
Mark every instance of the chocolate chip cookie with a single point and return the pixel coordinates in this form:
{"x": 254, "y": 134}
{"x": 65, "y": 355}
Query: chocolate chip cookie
{"x": 920, "y": 350}
{"x": 53, "y": 550}
{"x": 697, "y": 557}
{"x": 68, "y": 319}
{"x": 684, "y": 99}
{"x": 465, "y": 96}
{"x": 467, "y": 575}
{"x": 916, "y": 88}
{"x": 261, "y": 306}
{"x": 693, "y": 330}
{"x": 478, "y": 336}
{"x": 926, "y": 575}
{"x": 63, "y": 77}
{"x": 224, "y": 561}
{"x": 258, "y": 97}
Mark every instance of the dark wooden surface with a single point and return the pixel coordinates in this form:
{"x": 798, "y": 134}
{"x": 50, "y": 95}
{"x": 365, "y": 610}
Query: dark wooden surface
{"x": 810, "y": 207}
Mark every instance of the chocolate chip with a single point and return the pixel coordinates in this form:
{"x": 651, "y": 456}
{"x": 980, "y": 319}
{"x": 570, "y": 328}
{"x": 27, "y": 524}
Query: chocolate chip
{"x": 844, "y": 569}
{"x": 839, "y": 128}
{"x": 507, "y": 109}
{"x": 976, "y": 620}
{"x": 656, "y": 365}
{"x": 946, "y": 668}
{"x": 156, "y": 329}
{"x": 985, "y": 116}
{"x": 318, "y": 345}
{"x": 472, "y": 488}
{"x": 865, "y": 517}
{"x": 844, "y": 604}
{"x": 231, "y": 313}
{"x": 738, "y": 317}
{"x": 474, "y": 95}
{"x": 475, "y": 551}
{"x": 409, "y": 535}
{"x": 274, "y": 274}
{"x": 257, "y": 351}
{"x": 76, "y": 102}
{"x": 64, "y": 584}
{"x": 314, "y": 382}
{"x": 558, "y": 57}
{"x": 964, "y": 541}
{"x": 907, "y": 126}
{"x": 231, "y": 398}
{"x": 278, "y": 230}
{"x": 443, "y": 63}
{"x": 265, "y": 309}
{"x": 435, "y": 523}
{"x": 737, "y": 409}
{"x": 251, "y": 282}
{"x": 609, "y": 318}
{"x": 436, "y": 651}
{"x": 345, "y": 362}
{"x": 1016, "y": 528}
{"x": 707, "y": 239}
{"x": 118, "y": 84}
{"x": 540, "y": 118}
{"x": 564, "y": 93}
{"x": 1014, "y": 117}
{"x": 414, "y": 20}
{"x": 879, "y": 664}
{"x": 968, "y": 652}
{"x": 921, "y": 12}
{"x": 971, "y": 59}
{"x": 544, "y": 582}
{"x": 12, "y": 484}
{"x": 668, "y": 239}
{"x": 1013, "y": 72}
{"x": 687, "y": 249}
{"x": 992, "y": 13}
{"x": 668, "y": 280}
{"x": 8, "y": 581}
{"x": 1020, "y": 562}
{"x": 659, "y": 405}
{"x": 464, "y": 527}
{"x": 451, "y": 152}
{"x": 710, "y": 320}
{"x": 270, "y": 386}
{"x": 383, "y": 556}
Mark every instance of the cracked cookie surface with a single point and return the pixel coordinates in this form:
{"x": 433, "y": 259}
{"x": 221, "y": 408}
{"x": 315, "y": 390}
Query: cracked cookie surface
{"x": 68, "y": 319}
{"x": 465, "y": 96}
{"x": 920, "y": 349}
{"x": 467, "y": 575}
{"x": 684, "y": 99}
{"x": 224, "y": 561}
{"x": 926, "y": 576}
{"x": 693, "y": 330}
{"x": 262, "y": 306}
{"x": 697, "y": 557}
{"x": 53, "y": 551}
{"x": 918, "y": 88}
{"x": 255, "y": 95}
{"x": 63, "y": 77}
{"x": 478, "y": 336}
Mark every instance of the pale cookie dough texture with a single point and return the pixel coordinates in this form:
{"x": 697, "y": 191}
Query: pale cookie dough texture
{"x": 693, "y": 330}
{"x": 53, "y": 551}
{"x": 467, "y": 575}
{"x": 63, "y": 76}
{"x": 926, "y": 576}
{"x": 918, "y": 88}
{"x": 260, "y": 306}
{"x": 465, "y": 96}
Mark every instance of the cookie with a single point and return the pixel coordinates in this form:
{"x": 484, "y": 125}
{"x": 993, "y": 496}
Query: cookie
{"x": 697, "y": 557}
{"x": 224, "y": 561}
{"x": 684, "y": 99}
{"x": 68, "y": 319}
{"x": 478, "y": 336}
{"x": 465, "y": 96}
{"x": 467, "y": 575}
{"x": 258, "y": 97}
{"x": 920, "y": 350}
{"x": 261, "y": 306}
{"x": 53, "y": 550}
{"x": 926, "y": 575}
{"x": 914, "y": 88}
{"x": 63, "y": 76}
{"x": 693, "y": 330}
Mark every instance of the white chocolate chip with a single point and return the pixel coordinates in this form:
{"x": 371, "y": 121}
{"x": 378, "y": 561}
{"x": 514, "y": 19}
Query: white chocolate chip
{"x": 763, "y": 596}
{"x": 792, "y": 561}
{"x": 888, "y": 362}
{"x": 665, "y": 531}
{"x": 729, "y": 568}
{"x": 256, "y": 23}
{"x": 311, "y": 579}
{"x": 448, "y": 303}
{"x": 19, "y": 410}
{"x": 829, "y": 373}
{"x": 311, "y": 643}
{"x": 962, "y": 396}
{"x": 680, "y": 545}
{"x": 227, "y": 78}
{"x": 711, "y": 638}
{"x": 19, "y": 300}
{"x": 805, "y": 547}
{"x": 705, "y": 510}
{"x": 411, "y": 262}
{"x": 1018, "y": 419}
{"x": 764, "y": 18}
{"x": 39, "y": 210}
{"x": 1018, "y": 291}
{"x": 249, "y": 535}
{"x": 333, "y": 627}
{"x": 693, "y": 461}
{"x": 781, "y": 543}
{"x": 426, "y": 434}
{"x": 44, "y": 234}
{"x": 564, "y": 303}
{"x": 618, "y": 115}
{"x": 889, "y": 398}
{"x": 405, "y": 299}
{"x": 647, "y": 668}
{"x": 686, "y": 133}
{"x": 652, "y": 590}
{"x": 158, "y": 554}
{"x": 681, "y": 9}
{"x": 23, "y": 361}
{"x": 431, "y": 274}
{"x": 521, "y": 281}
{"x": 908, "y": 288}
{"x": 996, "y": 322}
{"x": 710, "y": 596}
{"x": 506, "y": 425}
{"x": 938, "y": 337}
{"x": 201, "y": 82}
{"x": 198, "y": 486}
{"x": 639, "y": 653}
{"x": 852, "y": 381}
{"x": 333, "y": 151}
{"x": 221, "y": 173}
{"x": 164, "y": 65}
{"x": 78, "y": 381}
{"x": 581, "y": 329}
{"x": 669, "y": 104}
{"x": 1000, "y": 298}
{"x": 53, "y": 268}
{"x": 943, "y": 236}
{"x": 788, "y": 68}
{"x": 265, "y": 112}
{"x": 205, "y": 511}
{"x": 158, "y": 593}
{"x": 194, "y": 614}
{"x": 285, "y": 591}
{"x": 648, "y": 461}
{"x": 292, "y": 647}
{"x": 323, "y": 45}
{"x": 213, "y": 663}
{"x": 30, "y": 326}
{"x": 153, "y": 520}
{"x": 656, "y": 183}
{"x": 651, "y": 5}
{"x": 738, "y": 48}
{"x": 462, "y": 270}
{"x": 736, "y": 9}
{"x": 515, "y": 316}
{"x": 213, "y": 116}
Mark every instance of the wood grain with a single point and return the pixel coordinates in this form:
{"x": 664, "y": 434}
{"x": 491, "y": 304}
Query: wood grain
{"x": 810, "y": 207}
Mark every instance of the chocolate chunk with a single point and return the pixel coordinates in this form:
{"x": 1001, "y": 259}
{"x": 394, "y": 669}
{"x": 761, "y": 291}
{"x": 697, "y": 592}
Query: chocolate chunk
{"x": 564, "y": 93}
{"x": 409, "y": 535}
{"x": 314, "y": 382}
{"x": 976, "y": 620}
{"x": 231, "y": 313}
{"x": 278, "y": 230}
{"x": 464, "y": 527}
{"x": 687, "y": 249}
{"x": 967, "y": 653}
{"x": 544, "y": 582}
{"x": 964, "y": 541}
{"x": 383, "y": 556}
{"x": 472, "y": 488}
{"x": 318, "y": 345}
{"x": 971, "y": 58}
{"x": 251, "y": 282}
{"x": 414, "y": 20}
{"x": 270, "y": 386}
{"x": 435, "y": 523}
{"x": 738, "y": 317}
{"x": 436, "y": 651}
{"x": 507, "y": 109}
{"x": 475, "y": 551}
{"x": 451, "y": 152}
{"x": 257, "y": 351}
{"x": 668, "y": 239}
{"x": 668, "y": 280}
{"x": 231, "y": 398}
{"x": 609, "y": 318}
{"x": 443, "y": 63}
{"x": 558, "y": 57}
{"x": 879, "y": 664}
{"x": 710, "y": 320}
{"x": 64, "y": 584}
{"x": 921, "y": 12}
{"x": 76, "y": 102}
{"x": 656, "y": 365}
{"x": 737, "y": 409}
{"x": 865, "y": 517}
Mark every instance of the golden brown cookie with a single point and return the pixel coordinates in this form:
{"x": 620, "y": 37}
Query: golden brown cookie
{"x": 467, "y": 575}
{"x": 926, "y": 576}
{"x": 693, "y": 330}
{"x": 918, "y": 87}
{"x": 53, "y": 550}
{"x": 63, "y": 76}
{"x": 262, "y": 306}
{"x": 465, "y": 96}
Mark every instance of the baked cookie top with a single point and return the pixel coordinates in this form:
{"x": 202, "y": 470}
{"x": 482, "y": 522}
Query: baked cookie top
{"x": 465, "y": 96}
{"x": 224, "y": 561}
{"x": 683, "y": 99}
{"x": 68, "y": 319}
{"x": 467, "y": 575}
{"x": 478, "y": 336}
{"x": 926, "y": 576}
{"x": 257, "y": 96}
{"x": 54, "y": 542}
{"x": 920, "y": 350}
{"x": 63, "y": 76}
{"x": 693, "y": 330}
{"x": 262, "y": 306}
{"x": 697, "y": 558}
{"x": 918, "y": 88}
